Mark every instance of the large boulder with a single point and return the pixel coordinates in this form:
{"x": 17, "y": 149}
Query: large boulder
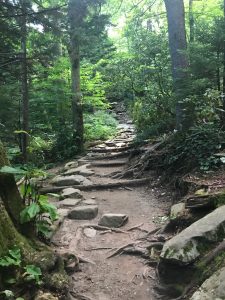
{"x": 113, "y": 220}
{"x": 212, "y": 288}
{"x": 71, "y": 193}
{"x": 84, "y": 212}
{"x": 193, "y": 242}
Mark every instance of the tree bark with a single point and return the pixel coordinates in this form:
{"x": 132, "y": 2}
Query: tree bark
{"x": 179, "y": 59}
{"x": 191, "y": 21}
{"x": 24, "y": 80}
{"x": 76, "y": 12}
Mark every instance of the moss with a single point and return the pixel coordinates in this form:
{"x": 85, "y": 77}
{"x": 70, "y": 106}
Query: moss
{"x": 220, "y": 199}
{"x": 58, "y": 282}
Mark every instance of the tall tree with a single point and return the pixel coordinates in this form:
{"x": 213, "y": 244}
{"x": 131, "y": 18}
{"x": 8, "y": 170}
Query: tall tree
{"x": 191, "y": 21}
{"x": 77, "y": 10}
{"x": 24, "y": 79}
{"x": 179, "y": 59}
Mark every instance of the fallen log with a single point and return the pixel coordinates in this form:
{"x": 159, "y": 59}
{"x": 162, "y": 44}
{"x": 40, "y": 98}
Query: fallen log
{"x": 104, "y": 186}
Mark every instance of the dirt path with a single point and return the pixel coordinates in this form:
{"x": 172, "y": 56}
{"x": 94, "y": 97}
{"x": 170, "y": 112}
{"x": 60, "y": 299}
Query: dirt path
{"x": 123, "y": 277}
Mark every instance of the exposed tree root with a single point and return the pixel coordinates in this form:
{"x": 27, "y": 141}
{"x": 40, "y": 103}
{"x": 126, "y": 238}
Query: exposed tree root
{"x": 135, "y": 182}
{"x": 117, "y": 155}
{"x": 109, "y": 164}
{"x": 135, "y": 227}
{"x": 112, "y": 149}
{"x": 102, "y": 228}
{"x": 121, "y": 249}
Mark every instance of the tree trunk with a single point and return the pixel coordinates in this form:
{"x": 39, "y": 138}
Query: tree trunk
{"x": 76, "y": 11}
{"x": 191, "y": 21}
{"x": 9, "y": 192}
{"x": 179, "y": 60}
{"x": 24, "y": 80}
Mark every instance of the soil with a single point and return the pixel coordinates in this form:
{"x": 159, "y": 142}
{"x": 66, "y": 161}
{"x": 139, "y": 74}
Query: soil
{"x": 123, "y": 277}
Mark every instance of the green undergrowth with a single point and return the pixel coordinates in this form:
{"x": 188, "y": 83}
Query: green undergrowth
{"x": 200, "y": 148}
{"x": 99, "y": 126}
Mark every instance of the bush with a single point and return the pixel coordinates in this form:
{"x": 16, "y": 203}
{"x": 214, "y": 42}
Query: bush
{"x": 196, "y": 148}
{"x": 99, "y": 126}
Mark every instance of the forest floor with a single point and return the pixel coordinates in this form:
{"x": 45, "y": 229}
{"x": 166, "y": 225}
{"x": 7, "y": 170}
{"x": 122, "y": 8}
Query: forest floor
{"x": 127, "y": 274}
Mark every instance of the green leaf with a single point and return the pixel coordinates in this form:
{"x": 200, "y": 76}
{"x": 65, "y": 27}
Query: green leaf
{"x": 49, "y": 208}
{"x": 33, "y": 273}
{"x": 29, "y": 213}
{"x": 10, "y": 170}
{"x": 44, "y": 228}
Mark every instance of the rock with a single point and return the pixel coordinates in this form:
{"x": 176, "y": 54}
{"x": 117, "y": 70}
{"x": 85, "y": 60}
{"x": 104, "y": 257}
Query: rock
{"x": 87, "y": 182}
{"x": 113, "y": 220}
{"x": 71, "y": 164}
{"x": 87, "y": 173}
{"x": 90, "y": 232}
{"x": 110, "y": 144}
{"x": 68, "y": 180}
{"x": 213, "y": 288}
{"x": 84, "y": 212}
{"x": 63, "y": 212}
{"x": 45, "y": 296}
{"x": 192, "y": 242}
{"x": 120, "y": 145}
{"x": 70, "y": 202}
{"x": 71, "y": 193}
{"x": 89, "y": 202}
{"x": 80, "y": 170}
{"x": 177, "y": 211}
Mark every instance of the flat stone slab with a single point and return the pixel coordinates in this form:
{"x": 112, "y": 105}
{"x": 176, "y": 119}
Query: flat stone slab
{"x": 68, "y": 202}
{"x": 71, "y": 193}
{"x": 213, "y": 288}
{"x": 113, "y": 220}
{"x": 68, "y": 180}
{"x": 84, "y": 212}
{"x": 81, "y": 170}
{"x": 189, "y": 244}
{"x": 89, "y": 202}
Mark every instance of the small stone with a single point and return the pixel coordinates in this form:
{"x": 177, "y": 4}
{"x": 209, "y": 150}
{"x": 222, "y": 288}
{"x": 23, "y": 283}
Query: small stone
{"x": 89, "y": 202}
{"x": 90, "y": 232}
{"x": 70, "y": 202}
{"x": 71, "y": 193}
{"x": 84, "y": 212}
{"x": 113, "y": 220}
{"x": 177, "y": 210}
